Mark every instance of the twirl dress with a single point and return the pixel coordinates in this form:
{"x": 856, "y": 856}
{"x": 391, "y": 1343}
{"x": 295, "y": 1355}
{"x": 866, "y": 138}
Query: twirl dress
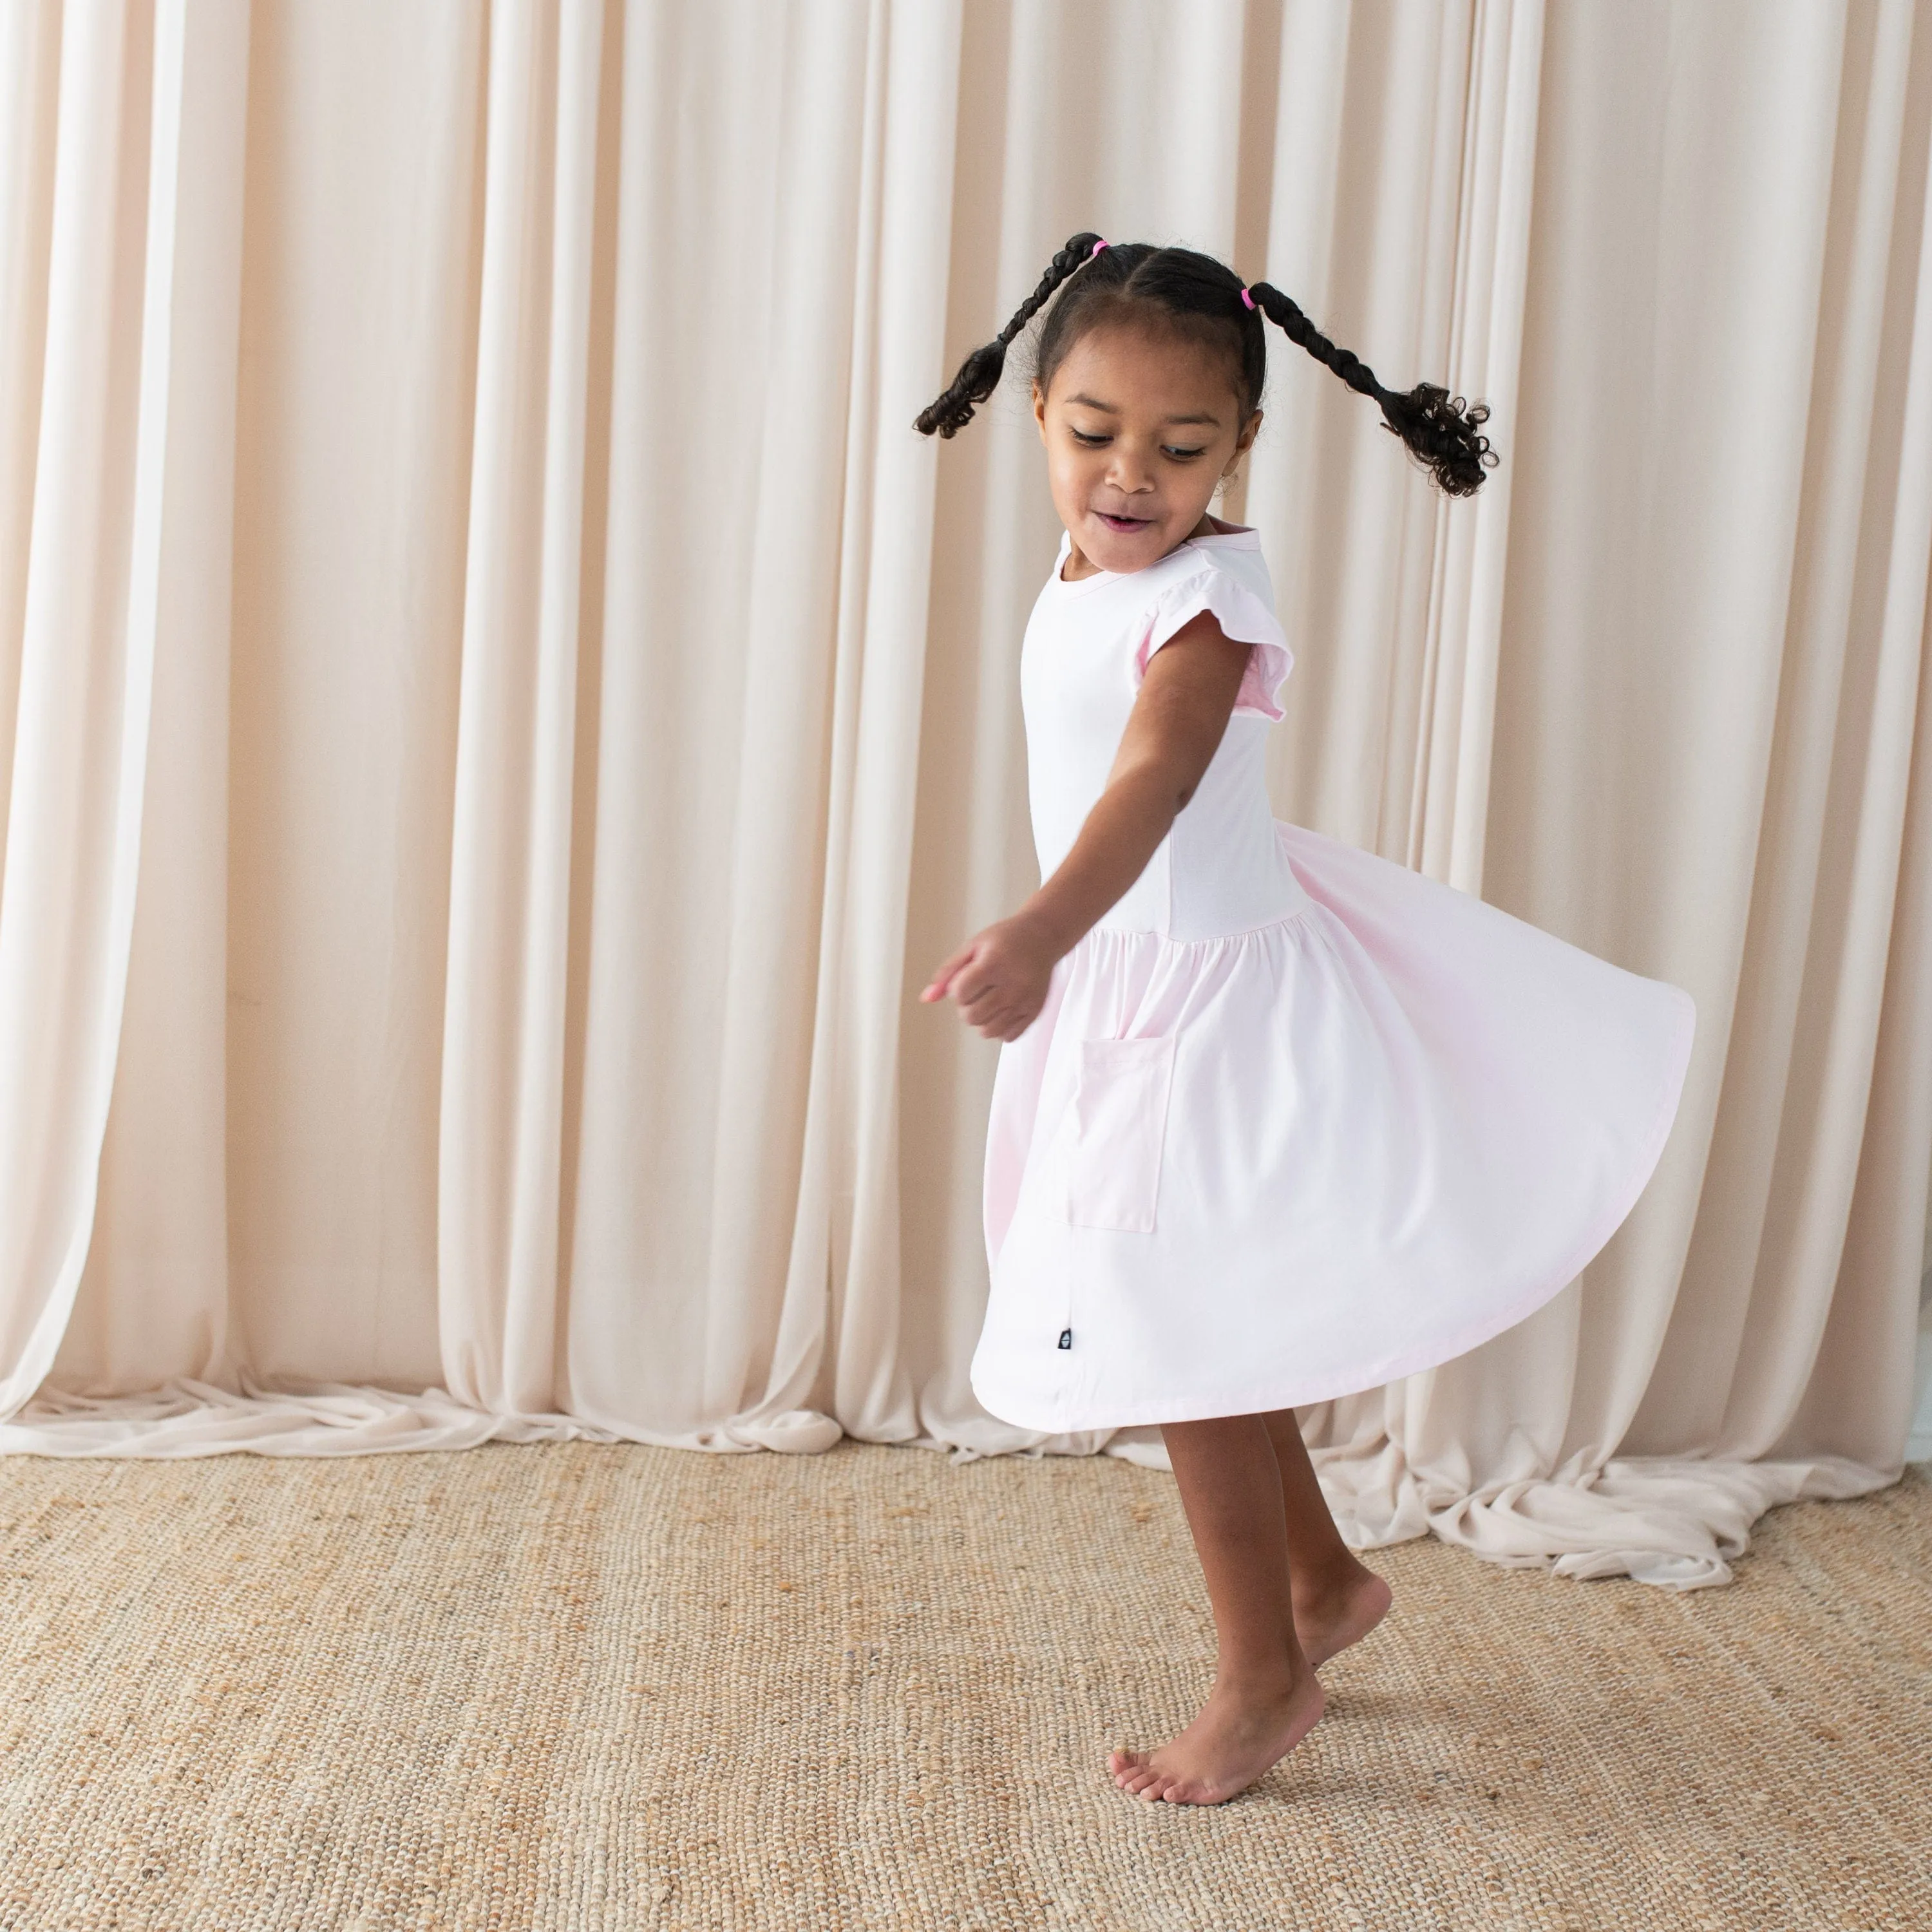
{"x": 1295, "y": 1120}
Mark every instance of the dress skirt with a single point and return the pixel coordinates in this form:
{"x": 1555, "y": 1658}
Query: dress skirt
{"x": 1247, "y": 1172}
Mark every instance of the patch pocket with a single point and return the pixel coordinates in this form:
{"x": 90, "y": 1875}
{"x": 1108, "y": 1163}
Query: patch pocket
{"x": 1119, "y": 1120}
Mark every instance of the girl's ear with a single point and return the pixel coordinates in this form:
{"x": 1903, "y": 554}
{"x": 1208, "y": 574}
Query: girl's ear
{"x": 1243, "y": 442}
{"x": 1040, "y": 409}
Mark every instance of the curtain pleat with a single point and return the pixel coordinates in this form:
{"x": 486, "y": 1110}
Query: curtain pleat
{"x": 29, "y": 85}
{"x": 121, "y": 652}
{"x": 703, "y": 627}
{"x": 852, "y": 1127}
{"x": 499, "y": 1163}
{"x": 499, "y": 711}
{"x": 790, "y": 1216}
{"x": 1463, "y": 637}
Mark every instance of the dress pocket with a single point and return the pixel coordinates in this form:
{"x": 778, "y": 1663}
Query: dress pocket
{"x": 1119, "y": 1120}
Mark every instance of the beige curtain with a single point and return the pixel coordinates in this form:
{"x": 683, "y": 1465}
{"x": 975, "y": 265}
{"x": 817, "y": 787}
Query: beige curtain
{"x": 498, "y": 711}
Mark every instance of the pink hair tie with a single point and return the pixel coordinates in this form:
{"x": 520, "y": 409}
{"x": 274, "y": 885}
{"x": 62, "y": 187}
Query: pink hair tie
{"x": 1248, "y": 298}
{"x": 1095, "y": 250}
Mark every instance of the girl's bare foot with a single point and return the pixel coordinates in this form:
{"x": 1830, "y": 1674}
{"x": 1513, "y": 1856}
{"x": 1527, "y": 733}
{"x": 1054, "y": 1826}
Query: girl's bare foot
{"x": 1329, "y": 1619}
{"x": 1235, "y": 1738}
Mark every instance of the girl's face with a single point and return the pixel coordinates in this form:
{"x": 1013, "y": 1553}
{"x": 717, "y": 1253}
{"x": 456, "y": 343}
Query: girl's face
{"x": 1140, "y": 426}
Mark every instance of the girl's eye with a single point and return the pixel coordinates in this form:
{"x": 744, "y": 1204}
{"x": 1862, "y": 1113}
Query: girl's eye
{"x": 1088, "y": 440}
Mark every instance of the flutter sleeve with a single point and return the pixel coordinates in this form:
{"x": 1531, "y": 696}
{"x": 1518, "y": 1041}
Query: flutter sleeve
{"x": 1242, "y": 616}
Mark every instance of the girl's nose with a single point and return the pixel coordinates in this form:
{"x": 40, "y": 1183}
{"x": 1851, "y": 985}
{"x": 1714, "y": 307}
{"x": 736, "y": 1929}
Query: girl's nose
{"x": 1130, "y": 471}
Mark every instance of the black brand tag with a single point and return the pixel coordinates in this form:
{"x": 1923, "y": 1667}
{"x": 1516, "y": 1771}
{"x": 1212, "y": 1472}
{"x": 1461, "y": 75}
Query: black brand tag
{"x": 1066, "y": 1338}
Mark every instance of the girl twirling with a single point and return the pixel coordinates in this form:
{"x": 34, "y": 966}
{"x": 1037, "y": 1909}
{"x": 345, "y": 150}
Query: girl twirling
{"x": 1275, "y": 1119}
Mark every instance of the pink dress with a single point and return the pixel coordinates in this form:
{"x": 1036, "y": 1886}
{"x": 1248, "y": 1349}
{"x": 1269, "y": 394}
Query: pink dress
{"x": 1294, "y": 1120}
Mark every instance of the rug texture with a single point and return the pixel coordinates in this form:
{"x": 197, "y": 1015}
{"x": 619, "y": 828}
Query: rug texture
{"x": 584, "y": 1687}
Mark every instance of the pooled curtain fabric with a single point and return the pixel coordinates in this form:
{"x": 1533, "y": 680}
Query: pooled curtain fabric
{"x": 499, "y": 711}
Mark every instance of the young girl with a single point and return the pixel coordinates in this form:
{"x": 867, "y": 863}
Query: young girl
{"x": 1274, "y": 1120}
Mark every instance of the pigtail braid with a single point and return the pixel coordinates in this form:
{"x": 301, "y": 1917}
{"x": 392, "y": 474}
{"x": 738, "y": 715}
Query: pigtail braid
{"x": 979, "y": 375}
{"x": 1441, "y": 429}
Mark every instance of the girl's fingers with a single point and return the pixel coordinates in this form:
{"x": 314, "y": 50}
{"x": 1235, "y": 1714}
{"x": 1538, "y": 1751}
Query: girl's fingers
{"x": 981, "y": 996}
{"x": 985, "y": 1003}
{"x": 976, "y": 990}
{"x": 940, "y": 985}
{"x": 1003, "y": 1013}
{"x": 1011, "y": 1021}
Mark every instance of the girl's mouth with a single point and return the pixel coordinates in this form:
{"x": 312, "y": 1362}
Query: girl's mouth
{"x": 1126, "y": 526}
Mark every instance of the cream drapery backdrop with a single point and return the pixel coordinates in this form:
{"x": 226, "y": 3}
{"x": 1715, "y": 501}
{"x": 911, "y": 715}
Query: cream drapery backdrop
{"x": 498, "y": 711}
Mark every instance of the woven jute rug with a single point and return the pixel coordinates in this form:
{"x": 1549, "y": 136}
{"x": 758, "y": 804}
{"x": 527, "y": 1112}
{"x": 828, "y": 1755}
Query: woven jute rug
{"x": 584, "y": 1686}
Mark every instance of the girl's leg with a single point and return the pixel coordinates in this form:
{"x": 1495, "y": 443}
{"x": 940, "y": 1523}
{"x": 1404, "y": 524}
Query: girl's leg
{"x": 1337, "y": 1599}
{"x": 1265, "y": 1697}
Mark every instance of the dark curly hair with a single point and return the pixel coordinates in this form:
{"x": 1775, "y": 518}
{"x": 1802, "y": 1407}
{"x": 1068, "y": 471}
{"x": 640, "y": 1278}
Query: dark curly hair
{"x": 1203, "y": 300}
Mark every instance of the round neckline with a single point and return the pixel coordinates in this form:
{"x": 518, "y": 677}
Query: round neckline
{"x": 1233, "y": 535}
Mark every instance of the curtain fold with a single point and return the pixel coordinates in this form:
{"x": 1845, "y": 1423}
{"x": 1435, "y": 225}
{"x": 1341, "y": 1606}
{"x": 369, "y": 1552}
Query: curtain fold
{"x": 500, "y": 1154}
{"x": 852, "y": 1132}
{"x": 500, "y": 712}
{"x": 120, "y": 664}
{"x": 788, "y": 1218}
{"x": 1464, "y": 632}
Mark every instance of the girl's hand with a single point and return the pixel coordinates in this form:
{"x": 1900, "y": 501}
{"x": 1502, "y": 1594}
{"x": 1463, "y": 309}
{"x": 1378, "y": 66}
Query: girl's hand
{"x": 999, "y": 977}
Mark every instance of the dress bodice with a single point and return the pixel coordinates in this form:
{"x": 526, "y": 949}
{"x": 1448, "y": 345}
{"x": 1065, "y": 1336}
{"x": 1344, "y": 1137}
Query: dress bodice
{"x": 1221, "y": 868}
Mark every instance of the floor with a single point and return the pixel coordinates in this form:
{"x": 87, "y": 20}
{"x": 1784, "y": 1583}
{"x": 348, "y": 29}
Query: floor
{"x": 587, "y": 1686}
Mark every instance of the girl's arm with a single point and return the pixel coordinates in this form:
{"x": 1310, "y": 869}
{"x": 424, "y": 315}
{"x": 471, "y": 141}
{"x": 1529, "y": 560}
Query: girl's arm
{"x": 1000, "y": 976}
